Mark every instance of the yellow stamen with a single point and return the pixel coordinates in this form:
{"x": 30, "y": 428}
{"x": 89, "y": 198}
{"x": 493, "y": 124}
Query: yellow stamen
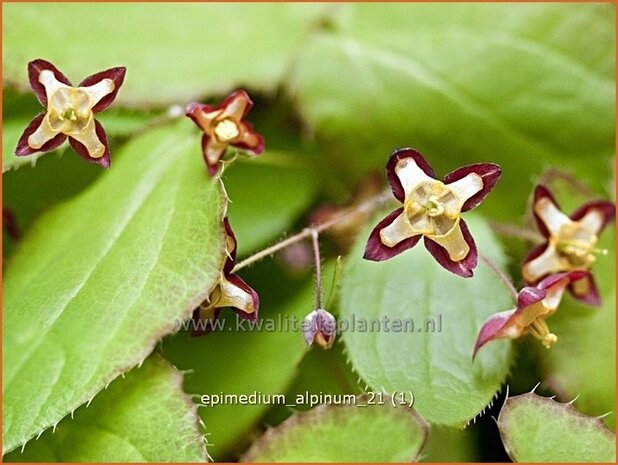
{"x": 433, "y": 206}
{"x": 69, "y": 110}
{"x": 69, "y": 113}
{"x": 427, "y": 208}
{"x": 575, "y": 246}
{"x": 539, "y": 329}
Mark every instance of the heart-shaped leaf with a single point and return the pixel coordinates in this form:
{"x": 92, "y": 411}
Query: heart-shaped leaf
{"x": 100, "y": 279}
{"x": 537, "y": 429}
{"x": 412, "y": 327}
{"x": 361, "y": 432}
{"x": 145, "y": 417}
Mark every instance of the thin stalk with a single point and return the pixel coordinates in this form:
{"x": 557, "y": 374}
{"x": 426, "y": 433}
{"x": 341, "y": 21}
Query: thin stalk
{"x": 553, "y": 174}
{"x": 318, "y": 268}
{"x": 515, "y": 231}
{"x": 368, "y": 206}
{"x": 503, "y": 277}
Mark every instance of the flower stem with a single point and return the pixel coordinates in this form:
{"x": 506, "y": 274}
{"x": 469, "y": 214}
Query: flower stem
{"x": 503, "y": 277}
{"x": 516, "y": 231}
{"x": 318, "y": 268}
{"x": 364, "y": 207}
{"x": 553, "y": 174}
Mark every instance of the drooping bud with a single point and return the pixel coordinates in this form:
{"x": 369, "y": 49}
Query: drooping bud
{"x": 320, "y": 327}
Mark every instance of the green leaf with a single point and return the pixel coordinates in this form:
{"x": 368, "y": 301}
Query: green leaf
{"x": 325, "y": 371}
{"x": 583, "y": 362}
{"x": 267, "y": 195}
{"x": 440, "y": 315}
{"x": 123, "y": 122}
{"x": 450, "y": 445}
{"x": 145, "y": 417}
{"x": 238, "y": 360}
{"x": 518, "y": 84}
{"x": 538, "y": 429}
{"x": 344, "y": 433}
{"x": 100, "y": 279}
{"x": 173, "y": 53}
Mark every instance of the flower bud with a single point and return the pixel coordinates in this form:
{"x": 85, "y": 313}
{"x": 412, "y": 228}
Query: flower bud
{"x": 320, "y": 327}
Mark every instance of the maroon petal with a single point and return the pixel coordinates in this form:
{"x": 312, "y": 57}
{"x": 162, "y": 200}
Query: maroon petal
{"x": 201, "y": 327}
{"x": 231, "y": 250}
{"x": 607, "y": 210}
{"x": 234, "y": 95}
{"x": 256, "y": 147}
{"x": 489, "y": 173}
{"x": 104, "y": 161}
{"x": 540, "y": 192}
{"x": 591, "y": 294}
{"x": 393, "y": 179}
{"x": 213, "y": 168}
{"x": 557, "y": 277}
{"x": 535, "y": 252}
{"x": 491, "y": 328}
{"x": 377, "y": 251}
{"x": 34, "y": 70}
{"x": 237, "y": 281}
{"x": 529, "y": 296}
{"x": 193, "y": 109}
{"x": 463, "y": 268}
{"x": 24, "y": 149}
{"x": 115, "y": 74}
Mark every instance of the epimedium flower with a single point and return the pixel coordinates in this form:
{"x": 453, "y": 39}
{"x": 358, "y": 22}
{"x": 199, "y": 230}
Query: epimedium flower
{"x": 320, "y": 327}
{"x": 534, "y": 305}
{"x": 570, "y": 242}
{"x": 70, "y": 112}
{"x": 224, "y": 126}
{"x": 230, "y": 291}
{"x": 432, "y": 209}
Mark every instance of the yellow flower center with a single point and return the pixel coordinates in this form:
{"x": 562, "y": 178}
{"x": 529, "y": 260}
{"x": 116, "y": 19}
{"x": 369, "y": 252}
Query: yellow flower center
{"x": 69, "y": 110}
{"x": 434, "y": 206}
{"x": 430, "y": 209}
{"x": 69, "y": 113}
{"x": 575, "y": 245}
{"x": 539, "y": 329}
{"x": 226, "y": 130}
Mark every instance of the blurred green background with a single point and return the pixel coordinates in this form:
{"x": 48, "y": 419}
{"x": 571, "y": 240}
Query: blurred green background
{"x": 337, "y": 87}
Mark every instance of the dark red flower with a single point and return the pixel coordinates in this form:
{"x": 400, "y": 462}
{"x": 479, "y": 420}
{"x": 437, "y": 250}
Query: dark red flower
{"x": 223, "y": 127}
{"x": 230, "y": 291}
{"x": 570, "y": 242}
{"x": 534, "y": 306}
{"x": 70, "y": 112}
{"x": 432, "y": 209}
